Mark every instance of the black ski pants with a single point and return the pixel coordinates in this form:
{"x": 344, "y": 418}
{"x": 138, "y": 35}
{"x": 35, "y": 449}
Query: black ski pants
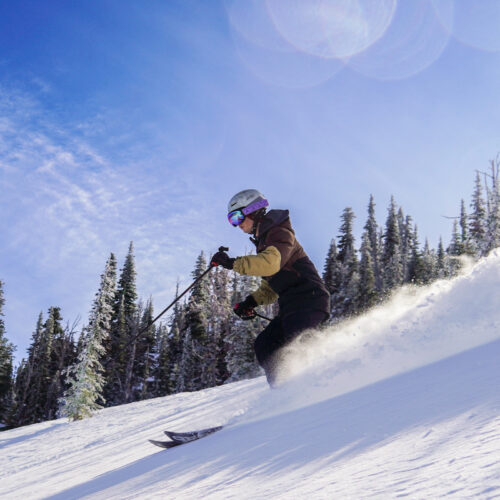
{"x": 279, "y": 332}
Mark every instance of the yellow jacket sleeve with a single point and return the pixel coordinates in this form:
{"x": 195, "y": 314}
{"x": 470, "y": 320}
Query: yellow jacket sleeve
{"x": 265, "y": 263}
{"x": 264, "y": 294}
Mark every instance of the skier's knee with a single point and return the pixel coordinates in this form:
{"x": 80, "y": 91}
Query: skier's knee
{"x": 260, "y": 349}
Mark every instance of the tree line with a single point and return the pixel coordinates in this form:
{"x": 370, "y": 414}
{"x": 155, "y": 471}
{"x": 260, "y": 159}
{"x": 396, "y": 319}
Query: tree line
{"x": 203, "y": 344}
{"x": 111, "y": 363}
{"x": 391, "y": 256}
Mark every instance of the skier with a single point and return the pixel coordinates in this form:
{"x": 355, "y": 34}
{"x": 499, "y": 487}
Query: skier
{"x": 288, "y": 275}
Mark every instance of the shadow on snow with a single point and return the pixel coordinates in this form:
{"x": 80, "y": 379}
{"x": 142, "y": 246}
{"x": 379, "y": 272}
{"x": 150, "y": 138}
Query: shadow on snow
{"x": 330, "y": 431}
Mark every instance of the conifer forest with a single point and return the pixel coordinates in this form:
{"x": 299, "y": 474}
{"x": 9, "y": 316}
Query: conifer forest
{"x": 201, "y": 343}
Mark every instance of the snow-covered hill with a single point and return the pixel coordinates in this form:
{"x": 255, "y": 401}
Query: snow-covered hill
{"x": 403, "y": 402}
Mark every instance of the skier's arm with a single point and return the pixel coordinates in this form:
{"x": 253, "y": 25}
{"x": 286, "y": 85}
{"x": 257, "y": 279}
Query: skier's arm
{"x": 265, "y": 263}
{"x": 264, "y": 294}
{"x": 270, "y": 260}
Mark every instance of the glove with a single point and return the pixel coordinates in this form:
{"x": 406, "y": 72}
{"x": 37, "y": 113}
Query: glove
{"x": 223, "y": 259}
{"x": 245, "y": 309}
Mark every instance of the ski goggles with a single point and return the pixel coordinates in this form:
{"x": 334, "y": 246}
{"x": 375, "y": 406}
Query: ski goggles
{"x": 236, "y": 217}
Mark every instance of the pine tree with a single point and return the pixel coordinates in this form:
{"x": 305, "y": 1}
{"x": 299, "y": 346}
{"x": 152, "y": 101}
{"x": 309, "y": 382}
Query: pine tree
{"x": 127, "y": 285}
{"x": 477, "y": 224}
{"x": 130, "y": 350}
{"x": 61, "y": 356}
{"x": 367, "y": 291}
{"x": 371, "y": 229}
{"x": 161, "y": 373}
{"x": 391, "y": 255}
{"x": 175, "y": 343}
{"x": 129, "y": 322}
{"x": 405, "y": 231}
{"x": 429, "y": 265}
{"x": 170, "y": 350}
{"x": 464, "y": 230}
{"x": 416, "y": 269}
{"x": 42, "y": 369}
{"x": 26, "y": 386}
{"x": 86, "y": 380}
{"x": 345, "y": 281}
{"x": 240, "y": 357}
{"x": 120, "y": 349}
{"x": 330, "y": 268}
{"x": 215, "y": 370}
{"x": 41, "y": 377}
{"x": 195, "y": 337}
{"x": 18, "y": 400}
{"x": 441, "y": 269}
{"x": 146, "y": 356}
{"x": 6, "y": 353}
{"x": 493, "y": 217}
{"x": 407, "y": 235}
{"x": 456, "y": 246}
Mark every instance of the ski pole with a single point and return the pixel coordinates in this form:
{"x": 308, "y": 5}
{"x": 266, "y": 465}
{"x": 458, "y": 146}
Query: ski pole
{"x": 199, "y": 278}
{"x": 263, "y": 317}
{"x": 221, "y": 249}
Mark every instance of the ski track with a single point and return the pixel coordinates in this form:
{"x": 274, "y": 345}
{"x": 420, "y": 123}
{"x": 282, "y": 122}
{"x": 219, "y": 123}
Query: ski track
{"x": 403, "y": 402}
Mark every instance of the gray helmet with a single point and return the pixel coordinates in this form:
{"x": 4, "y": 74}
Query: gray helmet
{"x": 250, "y": 198}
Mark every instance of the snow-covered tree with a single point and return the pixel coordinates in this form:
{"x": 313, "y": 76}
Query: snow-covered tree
{"x": 195, "y": 335}
{"x": 429, "y": 264}
{"x": 61, "y": 357}
{"x": 371, "y": 229}
{"x": 171, "y": 350}
{"x": 391, "y": 254}
{"x": 477, "y": 219}
{"x": 145, "y": 355}
{"x": 456, "y": 246}
{"x": 441, "y": 269}
{"x": 416, "y": 264}
{"x": 161, "y": 375}
{"x": 41, "y": 378}
{"x": 6, "y": 352}
{"x": 86, "y": 379}
{"x": 407, "y": 234}
{"x": 127, "y": 288}
{"x": 240, "y": 357}
{"x": 464, "y": 230}
{"x": 345, "y": 280}
{"x": 214, "y": 370}
{"x": 367, "y": 290}
{"x": 493, "y": 206}
{"x": 120, "y": 349}
{"x": 26, "y": 386}
{"x": 330, "y": 268}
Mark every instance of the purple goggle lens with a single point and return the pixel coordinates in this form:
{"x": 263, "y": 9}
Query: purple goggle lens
{"x": 236, "y": 217}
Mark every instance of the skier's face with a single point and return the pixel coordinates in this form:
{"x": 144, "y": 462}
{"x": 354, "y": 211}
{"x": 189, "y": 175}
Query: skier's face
{"x": 247, "y": 225}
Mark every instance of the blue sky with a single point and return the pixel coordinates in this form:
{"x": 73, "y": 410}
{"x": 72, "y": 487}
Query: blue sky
{"x": 137, "y": 121}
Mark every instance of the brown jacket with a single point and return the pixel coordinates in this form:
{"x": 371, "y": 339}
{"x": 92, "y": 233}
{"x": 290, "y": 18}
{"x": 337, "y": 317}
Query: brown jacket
{"x": 288, "y": 273}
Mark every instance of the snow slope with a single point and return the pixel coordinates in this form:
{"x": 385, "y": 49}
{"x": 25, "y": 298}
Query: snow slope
{"x": 403, "y": 402}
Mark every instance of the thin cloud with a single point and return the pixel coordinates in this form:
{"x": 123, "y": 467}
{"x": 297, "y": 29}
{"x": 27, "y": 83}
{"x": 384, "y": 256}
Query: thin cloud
{"x": 69, "y": 205}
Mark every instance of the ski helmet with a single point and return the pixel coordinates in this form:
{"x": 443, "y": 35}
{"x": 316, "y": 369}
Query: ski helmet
{"x": 249, "y": 200}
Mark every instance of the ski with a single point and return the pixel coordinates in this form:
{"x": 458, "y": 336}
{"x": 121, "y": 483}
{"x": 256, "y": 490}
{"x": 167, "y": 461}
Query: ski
{"x": 178, "y": 438}
{"x": 164, "y": 444}
{"x": 187, "y": 437}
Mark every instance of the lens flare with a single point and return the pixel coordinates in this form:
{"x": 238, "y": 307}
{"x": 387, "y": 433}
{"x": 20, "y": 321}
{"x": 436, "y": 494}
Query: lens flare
{"x": 415, "y": 40}
{"x": 250, "y": 19}
{"x": 268, "y": 56}
{"x": 331, "y": 28}
{"x": 475, "y": 23}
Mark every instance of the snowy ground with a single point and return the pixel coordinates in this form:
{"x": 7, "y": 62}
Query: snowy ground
{"x": 403, "y": 402}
